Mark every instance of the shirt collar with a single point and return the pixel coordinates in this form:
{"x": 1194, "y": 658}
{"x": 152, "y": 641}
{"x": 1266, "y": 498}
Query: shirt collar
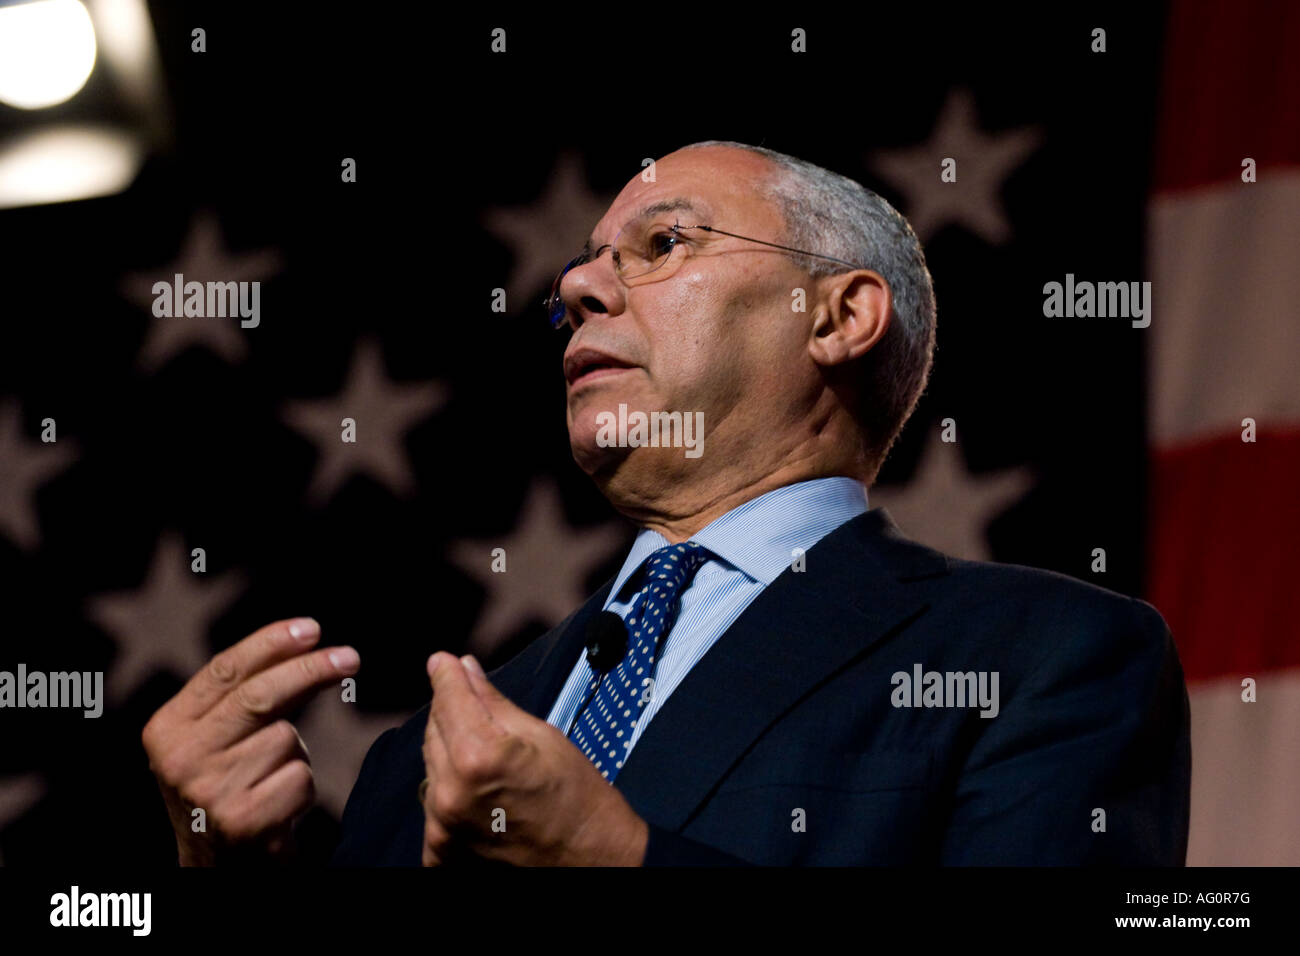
{"x": 759, "y": 536}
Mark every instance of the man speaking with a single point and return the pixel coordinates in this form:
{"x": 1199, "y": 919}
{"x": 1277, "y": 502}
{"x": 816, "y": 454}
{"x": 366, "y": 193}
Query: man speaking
{"x": 776, "y": 675}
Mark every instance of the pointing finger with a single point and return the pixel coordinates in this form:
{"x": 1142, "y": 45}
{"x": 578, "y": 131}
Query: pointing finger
{"x": 258, "y": 651}
{"x": 261, "y": 699}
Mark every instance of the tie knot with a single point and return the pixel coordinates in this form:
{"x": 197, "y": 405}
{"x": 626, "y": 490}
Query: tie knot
{"x": 688, "y": 554}
{"x": 672, "y": 566}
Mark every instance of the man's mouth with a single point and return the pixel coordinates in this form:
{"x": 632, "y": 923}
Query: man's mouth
{"x": 597, "y": 372}
{"x": 589, "y": 365}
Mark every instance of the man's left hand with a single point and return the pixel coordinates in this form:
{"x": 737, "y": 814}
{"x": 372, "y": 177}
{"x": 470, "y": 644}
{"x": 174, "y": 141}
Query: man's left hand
{"x": 507, "y": 786}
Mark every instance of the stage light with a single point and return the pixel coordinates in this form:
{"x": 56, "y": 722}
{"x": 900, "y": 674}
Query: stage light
{"x": 102, "y": 56}
{"x": 63, "y": 164}
{"x": 47, "y": 50}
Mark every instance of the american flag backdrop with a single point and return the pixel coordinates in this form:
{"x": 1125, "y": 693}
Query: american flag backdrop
{"x": 168, "y": 484}
{"x": 1223, "y": 241}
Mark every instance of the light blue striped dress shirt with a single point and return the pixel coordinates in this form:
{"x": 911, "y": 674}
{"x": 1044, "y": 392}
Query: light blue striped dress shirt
{"x": 753, "y": 544}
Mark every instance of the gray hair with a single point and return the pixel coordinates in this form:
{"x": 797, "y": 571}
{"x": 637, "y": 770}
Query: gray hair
{"x": 833, "y": 215}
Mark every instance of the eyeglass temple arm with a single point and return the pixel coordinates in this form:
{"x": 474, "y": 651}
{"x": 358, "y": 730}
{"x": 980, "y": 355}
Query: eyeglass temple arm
{"x": 764, "y": 242}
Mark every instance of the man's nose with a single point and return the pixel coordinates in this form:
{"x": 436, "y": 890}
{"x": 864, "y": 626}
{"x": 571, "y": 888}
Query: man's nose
{"x": 592, "y": 290}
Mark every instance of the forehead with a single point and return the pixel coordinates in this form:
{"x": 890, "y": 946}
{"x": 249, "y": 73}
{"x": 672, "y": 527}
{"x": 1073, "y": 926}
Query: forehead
{"x": 719, "y": 185}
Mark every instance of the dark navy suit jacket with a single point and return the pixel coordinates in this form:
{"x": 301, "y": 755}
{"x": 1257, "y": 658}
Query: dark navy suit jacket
{"x": 783, "y": 745}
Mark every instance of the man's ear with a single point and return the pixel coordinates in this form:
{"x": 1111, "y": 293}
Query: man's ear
{"x": 853, "y": 316}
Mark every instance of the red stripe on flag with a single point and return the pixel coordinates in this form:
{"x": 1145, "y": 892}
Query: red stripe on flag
{"x": 1225, "y": 552}
{"x": 1231, "y": 89}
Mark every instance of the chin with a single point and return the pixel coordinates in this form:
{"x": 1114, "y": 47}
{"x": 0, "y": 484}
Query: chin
{"x": 581, "y": 419}
{"x": 592, "y": 458}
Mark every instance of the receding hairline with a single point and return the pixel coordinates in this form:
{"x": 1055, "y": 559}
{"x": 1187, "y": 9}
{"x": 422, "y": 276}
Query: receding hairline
{"x": 772, "y": 172}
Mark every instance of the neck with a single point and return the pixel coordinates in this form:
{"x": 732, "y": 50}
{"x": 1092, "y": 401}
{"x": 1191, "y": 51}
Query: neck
{"x": 660, "y": 490}
{"x": 692, "y": 516}
{"x": 694, "y": 504}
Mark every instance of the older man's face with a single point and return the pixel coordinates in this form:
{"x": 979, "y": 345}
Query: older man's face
{"x": 718, "y": 336}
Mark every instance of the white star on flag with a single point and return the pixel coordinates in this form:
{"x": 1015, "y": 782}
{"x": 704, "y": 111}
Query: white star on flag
{"x": 164, "y": 623}
{"x": 338, "y": 735}
{"x": 544, "y": 235}
{"x": 984, "y": 161}
{"x": 947, "y": 508}
{"x": 383, "y": 410}
{"x": 24, "y": 467}
{"x": 18, "y": 794}
{"x": 203, "y": 257}
{"x": 547, "y": 562}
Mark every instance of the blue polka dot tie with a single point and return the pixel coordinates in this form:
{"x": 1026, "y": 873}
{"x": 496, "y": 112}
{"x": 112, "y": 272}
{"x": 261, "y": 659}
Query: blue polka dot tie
{"x": 604, "y": 730}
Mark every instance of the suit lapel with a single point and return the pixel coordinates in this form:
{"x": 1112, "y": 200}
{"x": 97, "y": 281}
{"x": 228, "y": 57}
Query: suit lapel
{"x": 802, "y": 629}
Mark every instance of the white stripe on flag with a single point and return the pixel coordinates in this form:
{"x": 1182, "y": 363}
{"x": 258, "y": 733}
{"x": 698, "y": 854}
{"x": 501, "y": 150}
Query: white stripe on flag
{"x": 1244, "y": 812}
{"x": 1225, "y": 271}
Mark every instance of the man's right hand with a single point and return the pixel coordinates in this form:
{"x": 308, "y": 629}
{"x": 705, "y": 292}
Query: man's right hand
{"x": 221, "y": 745}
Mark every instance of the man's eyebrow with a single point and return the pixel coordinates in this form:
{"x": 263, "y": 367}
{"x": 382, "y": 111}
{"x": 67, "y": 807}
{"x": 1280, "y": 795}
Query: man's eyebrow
{"x": 676, "y": 204}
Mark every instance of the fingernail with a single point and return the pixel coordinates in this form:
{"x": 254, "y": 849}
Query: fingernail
{"x": 433, "y": 662}
{"x": 304, "y": 629}
{"x": 472, "y": 664}
{"x": 345, "y": 659}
